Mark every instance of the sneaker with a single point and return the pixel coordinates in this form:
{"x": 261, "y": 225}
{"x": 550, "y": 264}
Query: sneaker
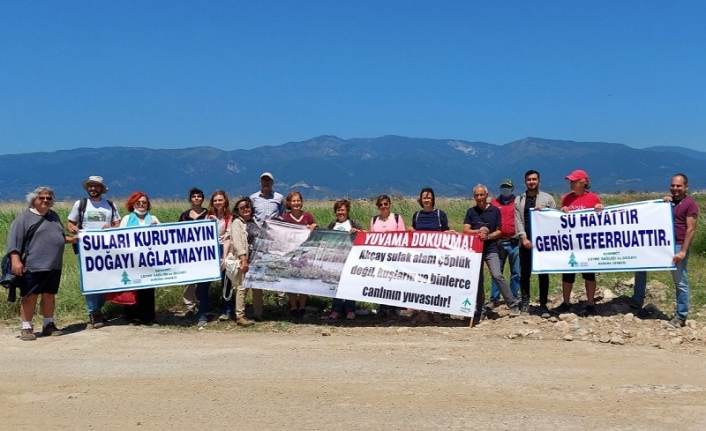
{"x": 302, "y": 312}
{"x": 490, "y": 305}
{"x": 27, "y": 335}
{"x": 524, "y": 307}
{"x": 244, "y": 321}
{"x": 96, "y": 320}
{"x": 563, "y": 308}
{"x": 676, "y": 322}
{"x": 51, "y": 330}
{"x": 591, "y": 310}
{"x": 514, "y": 311}
{"x": 294, "y": 314}
{"x": 643, "y": 313}
{"x": 333, "y": 316}
{"x": 223, "y": 318}
{"x": 201, "y": 323}
{"x": 189, "y": 313}
{"x": 350, "y": 315}
{"x": 544, "y": 312}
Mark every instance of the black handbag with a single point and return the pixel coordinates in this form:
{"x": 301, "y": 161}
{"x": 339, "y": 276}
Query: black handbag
{"x": 8, "y": 279}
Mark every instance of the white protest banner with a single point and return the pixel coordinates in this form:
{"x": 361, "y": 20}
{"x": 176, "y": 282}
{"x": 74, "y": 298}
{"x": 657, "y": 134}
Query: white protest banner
{"x": 629, "y": 237}
{"x": 290, "y": 258}
{"x": 434, "y": 271}
{"x": 129, "y": 258}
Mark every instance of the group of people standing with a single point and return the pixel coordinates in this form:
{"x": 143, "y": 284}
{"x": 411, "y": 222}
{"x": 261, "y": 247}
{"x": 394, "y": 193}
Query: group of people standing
{"x": 503, "y": 223}
{"x": 36, "y": 241}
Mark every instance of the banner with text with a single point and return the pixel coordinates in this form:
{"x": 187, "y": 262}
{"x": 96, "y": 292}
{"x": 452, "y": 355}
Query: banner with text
{"x": 630, "y": 237}
{"x": 129, "y": 258}
{"x": 289, "y": 257}
{"x": 433, "y": 271}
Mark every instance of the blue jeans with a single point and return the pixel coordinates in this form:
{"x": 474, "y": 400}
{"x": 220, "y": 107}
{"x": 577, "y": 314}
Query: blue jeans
{"x": 94, "y": 302}
{"x": 493, "y": 262}
{"x": 512, "y": 254}
{"x": 681, "y": 284}
{"x": 203, "y": 295}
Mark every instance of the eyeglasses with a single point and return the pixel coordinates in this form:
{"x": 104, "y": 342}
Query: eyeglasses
{"x": 45, "y": 198}
{"x": 384, "y": 204}
{"x": 242, "y": 207}
{"x": 141, "y": 203}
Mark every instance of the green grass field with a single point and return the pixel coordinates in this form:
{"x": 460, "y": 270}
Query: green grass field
{"x": 71, "y": 307}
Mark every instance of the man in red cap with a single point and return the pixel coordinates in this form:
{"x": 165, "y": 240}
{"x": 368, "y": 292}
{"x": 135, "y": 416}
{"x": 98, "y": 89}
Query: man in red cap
{"x": 579, "y": 199}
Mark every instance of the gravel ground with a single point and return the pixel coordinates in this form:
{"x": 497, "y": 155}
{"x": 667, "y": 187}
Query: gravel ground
{"x": 617, "y": 373}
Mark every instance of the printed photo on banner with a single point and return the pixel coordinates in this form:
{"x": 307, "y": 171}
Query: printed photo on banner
{"x": 291, "y": 258}
{"x": 129, "y": 258}
{"x": 630, "y": 237}
{"x": 433, "y": 271}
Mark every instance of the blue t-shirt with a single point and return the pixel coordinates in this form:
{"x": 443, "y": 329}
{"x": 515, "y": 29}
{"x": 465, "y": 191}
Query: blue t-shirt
{"x": 490, "y": 218}
{"x": 434, "y": 220}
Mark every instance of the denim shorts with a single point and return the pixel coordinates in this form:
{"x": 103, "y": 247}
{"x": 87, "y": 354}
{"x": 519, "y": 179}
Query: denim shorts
{"x": 36, "y": 283}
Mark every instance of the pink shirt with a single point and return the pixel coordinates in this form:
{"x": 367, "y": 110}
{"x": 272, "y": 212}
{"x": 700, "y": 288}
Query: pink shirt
{"x": 586, "y": 201}
{"x": 377, "y": 224}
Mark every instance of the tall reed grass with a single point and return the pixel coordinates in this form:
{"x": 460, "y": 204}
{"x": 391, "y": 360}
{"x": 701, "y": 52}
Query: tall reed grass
{"x": 71, "y": 306}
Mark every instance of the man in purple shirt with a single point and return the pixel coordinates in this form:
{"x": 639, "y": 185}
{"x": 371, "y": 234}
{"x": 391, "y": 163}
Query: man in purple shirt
{"x": 685, "y": 211}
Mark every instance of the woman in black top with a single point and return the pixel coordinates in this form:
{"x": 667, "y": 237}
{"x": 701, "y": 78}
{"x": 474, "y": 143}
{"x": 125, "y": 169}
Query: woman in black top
{"x": 196, "y": 291}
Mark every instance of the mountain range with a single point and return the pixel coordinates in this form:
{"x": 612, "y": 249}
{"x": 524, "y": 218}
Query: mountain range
{"x": 328, "y": 167}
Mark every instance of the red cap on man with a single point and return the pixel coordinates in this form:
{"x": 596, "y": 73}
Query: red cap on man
{"x": 576, "y": 175}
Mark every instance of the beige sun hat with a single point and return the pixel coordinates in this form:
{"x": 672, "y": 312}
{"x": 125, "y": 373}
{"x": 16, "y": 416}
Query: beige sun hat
{"x": 95, "y": 179}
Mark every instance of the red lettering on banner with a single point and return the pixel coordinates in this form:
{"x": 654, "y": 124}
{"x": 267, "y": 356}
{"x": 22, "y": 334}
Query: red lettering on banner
{"x": 420, "y": 239}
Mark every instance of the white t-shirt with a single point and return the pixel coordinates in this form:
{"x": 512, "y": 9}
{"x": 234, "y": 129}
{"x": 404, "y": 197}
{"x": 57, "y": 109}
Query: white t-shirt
{"x": 345, "y": 226}
{"x": 97, "y": 214}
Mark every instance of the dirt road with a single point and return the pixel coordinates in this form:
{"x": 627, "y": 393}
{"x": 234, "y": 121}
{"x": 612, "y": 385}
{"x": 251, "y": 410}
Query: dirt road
{"x": 390, "y": 378}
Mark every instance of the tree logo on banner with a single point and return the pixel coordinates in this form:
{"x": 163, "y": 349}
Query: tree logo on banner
{"x": 126, "y": 279}
{"x": 466, "y": 303}
{"x": 572, "y": 261}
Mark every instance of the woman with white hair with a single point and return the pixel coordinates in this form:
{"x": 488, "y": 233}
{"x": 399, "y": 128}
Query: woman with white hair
{"x": 35, "y": 245}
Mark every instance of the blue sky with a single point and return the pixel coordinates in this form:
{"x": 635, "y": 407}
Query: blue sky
{"x": 241, "y": 74}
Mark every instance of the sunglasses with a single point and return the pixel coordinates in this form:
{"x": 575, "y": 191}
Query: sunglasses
{"x": 384, "y": 204}
{"x": 141, "y": 203}
{"x": 242, "y": 207}
{"x": 45, "y": 198}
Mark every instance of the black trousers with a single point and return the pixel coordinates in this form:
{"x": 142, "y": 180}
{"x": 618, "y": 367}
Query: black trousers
{"x": 526, "y": 274}
{"x": 144, "y": 309}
